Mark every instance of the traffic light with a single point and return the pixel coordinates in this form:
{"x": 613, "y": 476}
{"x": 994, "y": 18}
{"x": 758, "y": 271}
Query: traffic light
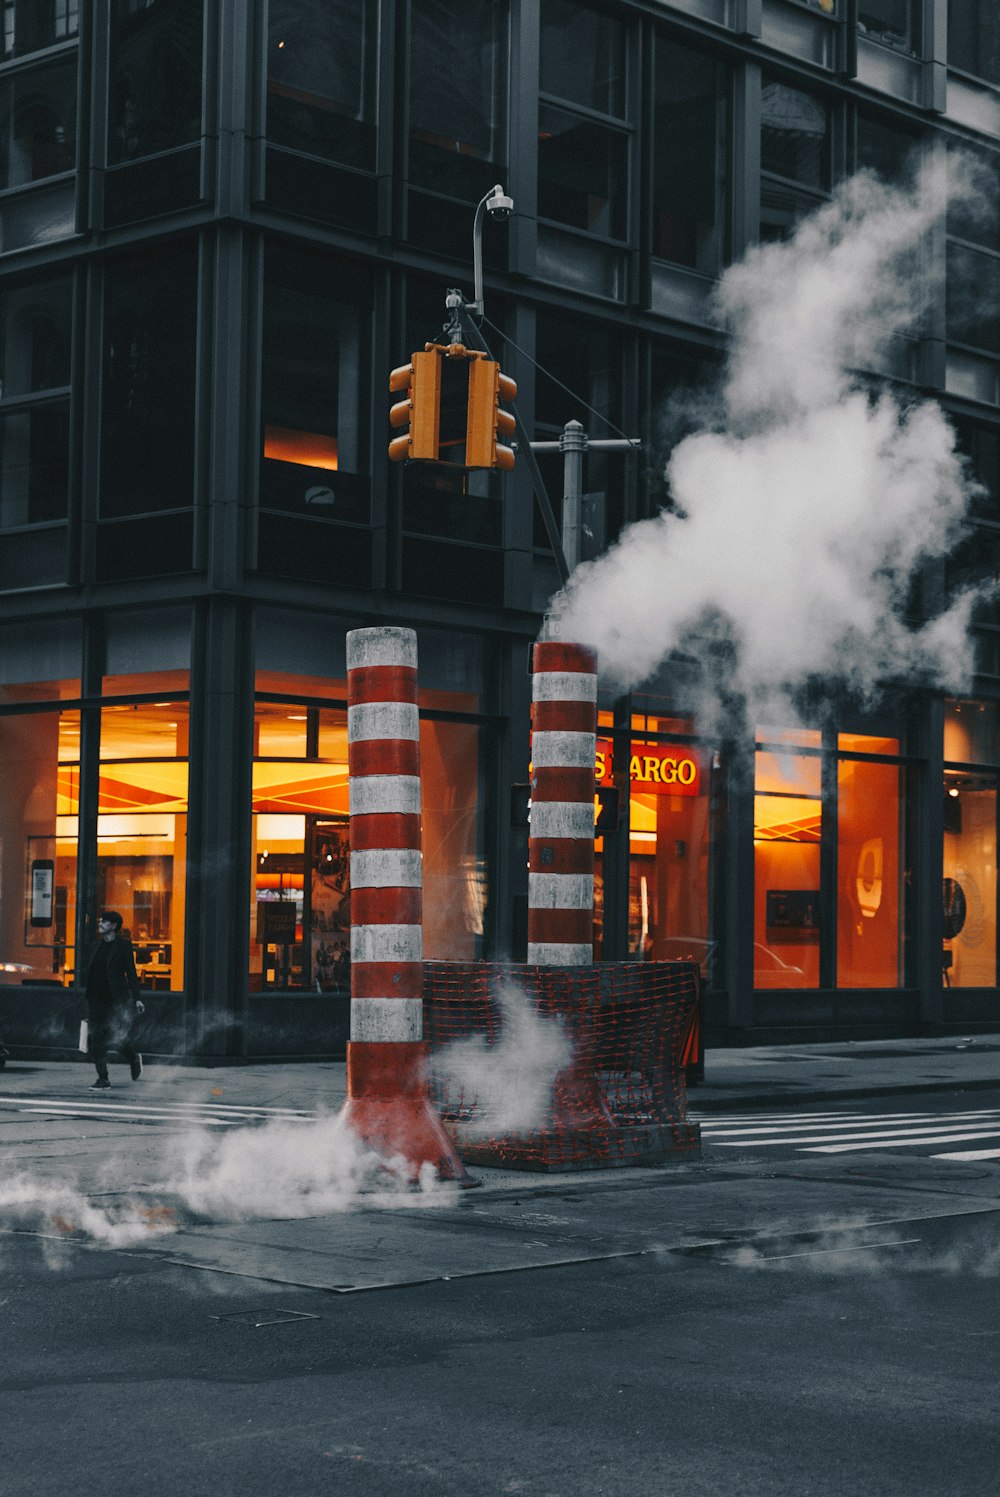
{"x": 420, "y": 411}
{"x": 452, "y": 410}
{"x": 486, "y": 421}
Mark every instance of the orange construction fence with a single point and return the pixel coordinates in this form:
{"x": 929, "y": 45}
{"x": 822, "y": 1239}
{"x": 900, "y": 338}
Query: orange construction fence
{"x": 618, "y": 1035}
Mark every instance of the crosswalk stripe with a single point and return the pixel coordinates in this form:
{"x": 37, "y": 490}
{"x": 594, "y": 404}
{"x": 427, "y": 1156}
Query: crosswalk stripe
{"x": 171, "y": 1104}
{"x": 921, "y": 1134}
{"x": 889, "y": 1141}
{"x": 969, "y": 1155}
{"x": 929, "y": 1119}
{"x": 122, "y": 1111}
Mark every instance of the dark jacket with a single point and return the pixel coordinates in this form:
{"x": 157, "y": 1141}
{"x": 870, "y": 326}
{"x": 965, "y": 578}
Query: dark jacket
{"x": 123, "y": 980}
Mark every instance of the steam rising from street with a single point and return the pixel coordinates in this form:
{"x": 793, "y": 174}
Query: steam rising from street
{"x": 509, "y": 1083}
{"x": 806, "y": 501}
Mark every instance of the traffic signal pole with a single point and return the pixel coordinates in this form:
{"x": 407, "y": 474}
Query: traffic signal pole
{"x": 574, "y": 443}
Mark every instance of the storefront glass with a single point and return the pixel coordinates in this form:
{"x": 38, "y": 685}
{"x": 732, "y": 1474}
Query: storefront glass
{"x": 788, "y": 815}
{"x": 39, "y": 771}
{"x": 969, "y": 956}
{"x": 843, "y": 927}
{"x": 869, "y": 828}
{"x": 142, "y": 831}
{"x": 668, "y": 842}
{"x": 300, "y": 913}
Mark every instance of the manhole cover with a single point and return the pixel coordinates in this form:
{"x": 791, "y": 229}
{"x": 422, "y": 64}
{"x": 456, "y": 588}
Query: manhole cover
{"x": 258, "y": 1318}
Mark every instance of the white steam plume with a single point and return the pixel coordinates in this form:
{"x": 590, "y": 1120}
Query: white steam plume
{"x": 280, "y": 1170}
{"x": 806, "y": 503}
{"x": 288, "y": 1170}
{"x": 507, "y": 1084}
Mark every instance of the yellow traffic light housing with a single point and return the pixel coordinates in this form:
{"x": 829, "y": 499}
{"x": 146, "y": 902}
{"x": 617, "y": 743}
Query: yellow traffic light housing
{"x": 486, "y": 421}
{"x": 452, "y": 409}
{"x": 420, "y": 411}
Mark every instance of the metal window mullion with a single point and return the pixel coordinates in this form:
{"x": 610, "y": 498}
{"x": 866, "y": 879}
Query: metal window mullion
{"x": 828, "y": 865}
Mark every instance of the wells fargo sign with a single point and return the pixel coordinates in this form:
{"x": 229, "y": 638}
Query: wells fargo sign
{"x": 654, "y": 769}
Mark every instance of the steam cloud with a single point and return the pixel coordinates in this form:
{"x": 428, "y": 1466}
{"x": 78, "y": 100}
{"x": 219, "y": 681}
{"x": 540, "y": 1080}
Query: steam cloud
{"x": 280, "y": 1170}
{"x": 806, "y": 501}
{"x": 508, "y": 1083}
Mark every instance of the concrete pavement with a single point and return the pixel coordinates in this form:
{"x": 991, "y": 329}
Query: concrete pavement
{"x": 281, "y": 1204}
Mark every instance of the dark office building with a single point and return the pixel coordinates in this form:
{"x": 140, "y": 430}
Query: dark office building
{"x": 221, "y": 225}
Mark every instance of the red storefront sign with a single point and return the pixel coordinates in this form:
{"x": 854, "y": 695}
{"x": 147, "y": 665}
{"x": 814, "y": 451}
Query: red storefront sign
{"x": 654, "y": 768}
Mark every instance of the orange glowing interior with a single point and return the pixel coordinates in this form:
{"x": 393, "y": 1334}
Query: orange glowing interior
{"x": 310, "y": 448}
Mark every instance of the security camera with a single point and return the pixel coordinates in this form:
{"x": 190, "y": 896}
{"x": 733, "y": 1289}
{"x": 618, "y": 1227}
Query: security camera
{"x": 498, "y": 204}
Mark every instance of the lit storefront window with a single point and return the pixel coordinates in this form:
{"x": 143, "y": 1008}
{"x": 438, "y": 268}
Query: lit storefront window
{"x": 842, "y": 927}
{"x": 39, "y": 770}
{"x": 300, "y": 927}
{"x": 788, "y": 815}
{"x": 869, "y": 827}
{"x": 142, "y": 830}
{"x": 969, "y": 893}
{"x": 668, "y": 841}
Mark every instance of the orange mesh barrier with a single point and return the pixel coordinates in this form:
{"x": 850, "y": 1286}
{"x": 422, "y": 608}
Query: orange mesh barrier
{"x": 561, "y": 1068}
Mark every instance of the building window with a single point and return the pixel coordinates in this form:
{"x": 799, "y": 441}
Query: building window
{"x": 32, "y": 25}
{"x": 142, "y": 830}
{"x": 35, "y": 342}
{"x": 795, "y": 156}
{"x": 583, "y": 158}
{"x": 155, "y": 89}
{"x": 974, "y": 38}
{"x": 669, "y": 838}
{"x": 882, "y": 147}
{"x": 39, "y": 769}
{"x": 969, "y": 954}
{"x": 37, "y": 125}
{"x": 894, "y": 23}
{"x": 580, "y": 366}
{"x": 870, "y": 798}
{"x": 148, "y": 406}
{"x": 980, "y": 446}
{"x": 583, "y": 56}
{"x": 690, "y": 155}
{"x": 315, "y": 417}
{"x": 972, "y": 299}
{"x": 457, "y": 95}
{"x": 850, "y": 932}
{"x": 321, "y": 78}
{"x": 788, "y": 817}
{"x": 300, "y": 932}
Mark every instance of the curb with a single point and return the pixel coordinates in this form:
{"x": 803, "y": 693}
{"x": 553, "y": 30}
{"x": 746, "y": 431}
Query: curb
{"x": 808, "y": 1094}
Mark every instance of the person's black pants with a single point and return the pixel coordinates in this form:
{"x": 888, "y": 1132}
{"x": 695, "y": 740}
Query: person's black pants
{"x": 110, "y": 1029}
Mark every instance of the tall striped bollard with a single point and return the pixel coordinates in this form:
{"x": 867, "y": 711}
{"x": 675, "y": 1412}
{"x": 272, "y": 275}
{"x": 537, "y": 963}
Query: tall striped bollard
{"x": 561, "y": 837}
{"x": 388, "y": 1105}
{"x": 561, "y": 862}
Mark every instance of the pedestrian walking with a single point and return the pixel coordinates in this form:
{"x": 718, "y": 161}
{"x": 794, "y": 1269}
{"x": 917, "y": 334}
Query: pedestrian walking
{"x": 113, "y": 1001}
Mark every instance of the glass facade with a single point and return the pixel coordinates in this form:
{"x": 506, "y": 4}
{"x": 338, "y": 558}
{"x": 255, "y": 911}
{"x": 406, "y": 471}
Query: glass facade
{"x": 39, "y": 763}
{"x": 155, "y": 94}
{"x": 974, "y": 38}
{"x": 321, "y": 78}
{"x": 822, "y": 921}
{"x": 300, "y": 930}
{"x": 690, "y": 157}
{"x": 220, "y": 228}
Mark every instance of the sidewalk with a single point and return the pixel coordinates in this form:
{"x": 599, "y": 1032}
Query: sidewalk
{"x": 779, "y": 1075}
{"x": 758, "y": 1076}
{"x": 515, "y": 1221}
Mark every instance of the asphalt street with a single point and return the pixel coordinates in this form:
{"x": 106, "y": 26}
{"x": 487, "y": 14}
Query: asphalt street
{"x": 200, "y": 1295}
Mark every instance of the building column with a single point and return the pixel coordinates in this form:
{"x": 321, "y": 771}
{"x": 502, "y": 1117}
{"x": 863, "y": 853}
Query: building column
{"x": 219, "y": 849}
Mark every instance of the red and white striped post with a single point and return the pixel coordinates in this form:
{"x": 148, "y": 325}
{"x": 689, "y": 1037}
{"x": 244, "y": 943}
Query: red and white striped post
{"x": 561, "y": 838}
{"x": 388, "y": 1104}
